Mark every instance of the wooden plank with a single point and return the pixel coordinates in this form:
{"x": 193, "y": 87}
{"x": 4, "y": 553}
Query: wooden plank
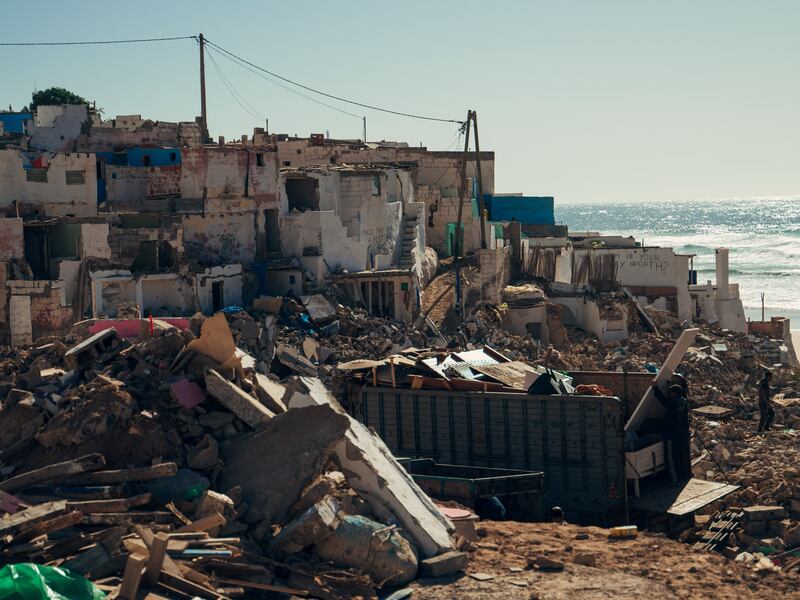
{"x": 158, "y": 549}
{"x": 147, "y": 539}
{"x": 125, "y": 475}
{"x": 204, "y": 524}
{"x": 186, "y": 586}
{"x": 511, "y": 374}
{"x": 100, "y": 506}
{"x": 132, "y": 577}
{"x": 43, "y": 527}
{"x": 128, "y": 518}
{"x": 84, "y": 464}
{"x": 30, "y": 516}
{"x": 265, "y": 586}
{"x": 650, "y": 406}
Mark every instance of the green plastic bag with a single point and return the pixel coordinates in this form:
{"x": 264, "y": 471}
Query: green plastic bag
{"x": 29, "y": 581}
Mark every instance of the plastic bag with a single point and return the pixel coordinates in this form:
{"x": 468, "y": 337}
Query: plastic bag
{"x": 29, "y": 581}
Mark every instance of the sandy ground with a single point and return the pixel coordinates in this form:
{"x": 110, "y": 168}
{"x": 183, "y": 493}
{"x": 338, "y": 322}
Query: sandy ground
{"x": 650, "y": 566}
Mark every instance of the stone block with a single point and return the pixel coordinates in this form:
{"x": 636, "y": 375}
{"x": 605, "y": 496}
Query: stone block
{"x": 236, "y": 400}
{"x": 444, "y": 564}
{"x": 764, "y": 513}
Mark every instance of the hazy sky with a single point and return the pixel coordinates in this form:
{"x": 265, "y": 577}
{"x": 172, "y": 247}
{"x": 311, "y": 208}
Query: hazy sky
{"x": 588, "y": 101}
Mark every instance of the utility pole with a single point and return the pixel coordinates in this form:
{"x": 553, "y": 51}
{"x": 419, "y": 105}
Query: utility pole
{"x": 365, "y": 129}
{"x": 459, "y": 243}
{"x": 203, "y": 114}
{"x": 480, "y": 178}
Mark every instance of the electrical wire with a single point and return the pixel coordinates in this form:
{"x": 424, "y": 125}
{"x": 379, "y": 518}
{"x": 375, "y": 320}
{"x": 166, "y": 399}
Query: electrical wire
{"x": 327, "y": 95}
{"x": 246, "y": 106}
{"x": 280, "y": 85}
{"x": 88, "y": 43}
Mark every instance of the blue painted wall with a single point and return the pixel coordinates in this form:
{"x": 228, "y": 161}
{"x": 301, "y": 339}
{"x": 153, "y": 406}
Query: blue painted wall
{"x": 15, "y": 122}
{"x": 159, "y": 157}
{"x": 528, "y": 210}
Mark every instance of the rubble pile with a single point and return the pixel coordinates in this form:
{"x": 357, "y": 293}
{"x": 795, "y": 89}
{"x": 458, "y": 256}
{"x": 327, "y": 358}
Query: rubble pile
{"x": 169, "y": 461}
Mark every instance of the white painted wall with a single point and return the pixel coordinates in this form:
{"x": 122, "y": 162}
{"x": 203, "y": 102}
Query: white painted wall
{"x": 55, "y": 128}
{"x": 94, "y": 240}
{"x": 232, "y": 278}
{"x": 54, "y": 196}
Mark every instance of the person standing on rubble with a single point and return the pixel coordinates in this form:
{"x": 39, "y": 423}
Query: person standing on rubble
{"x": 764, "y": 405}
{"x": 676, "y": 430}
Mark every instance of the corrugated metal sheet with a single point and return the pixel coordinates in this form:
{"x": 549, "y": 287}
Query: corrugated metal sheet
{"x": 577, "y": 441}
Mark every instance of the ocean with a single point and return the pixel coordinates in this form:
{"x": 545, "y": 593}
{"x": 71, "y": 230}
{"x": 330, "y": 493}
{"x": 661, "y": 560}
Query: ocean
{"x": 763, "y": 235}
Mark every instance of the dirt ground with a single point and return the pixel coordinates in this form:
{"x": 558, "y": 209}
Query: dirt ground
{"x": 651, "y": 566}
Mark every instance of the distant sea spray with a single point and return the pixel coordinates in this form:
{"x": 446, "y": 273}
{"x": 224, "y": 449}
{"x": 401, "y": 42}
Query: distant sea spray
{"x": 763, "y": 235}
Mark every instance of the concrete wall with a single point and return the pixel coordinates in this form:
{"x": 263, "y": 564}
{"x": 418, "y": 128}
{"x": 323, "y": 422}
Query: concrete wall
{"x": 94, "y": 240}
{"x": 37, "y": 309}
{"x": 12, "y": 241}
{"x": 55, "y": 128}
{"x": 323, "y": 232}
{"x": 585, "y": 314}
{"x": 166, "y": 294}
{"x": 280, "y": 282}
{"x": 53, "y": 197}
{"x": 232, "y": 283}
{"x": 649, "y": 267}
{"x": 226, "y": 172}
{"x": 222, "y": 238}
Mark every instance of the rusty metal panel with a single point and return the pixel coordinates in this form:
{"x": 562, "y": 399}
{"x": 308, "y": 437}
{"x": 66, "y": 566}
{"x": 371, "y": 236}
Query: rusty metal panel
{"x": 577, "y": 441}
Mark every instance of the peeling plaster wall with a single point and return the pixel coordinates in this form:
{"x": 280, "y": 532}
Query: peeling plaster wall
{"x": 167, "y": 294}
{"x": 225, "y": 172}
{"x": 323, "y": 231}
{"x": 55, "y": 128}
{"x": 232, "y": 286}
{"x": 651, "y": 267}
{"x": 217, "y": 239}
{"x": 12, "y": 242}
{"x": 94, "y": 240}
{"x": 112, "y": 136}
{"x": 53, "y": 197}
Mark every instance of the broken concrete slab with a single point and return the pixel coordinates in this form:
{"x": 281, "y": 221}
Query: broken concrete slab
{"x": 444, "y": 564}
{"x": 236, "y": 400}
{"x": 318, "y": 308}
{"x": 270, "y": 393}
{"x": 312, "y": 526}
{"x": 372, "y": 470}
{"x": 187, "y": 393}
{"x": 372, "y": 547}
{"x": 274, "y": 464}
{"x": 289, "y": 357}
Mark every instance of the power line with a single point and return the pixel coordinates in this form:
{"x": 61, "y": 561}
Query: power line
{"x": 280, "y": 85}
{"x": 321, "y": 93}
{"x": 246, "y": 106}
{"x": 95, "y": 42}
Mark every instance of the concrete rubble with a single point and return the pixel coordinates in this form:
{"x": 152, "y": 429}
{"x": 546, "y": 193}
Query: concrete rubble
{"x": 175, "y": 461}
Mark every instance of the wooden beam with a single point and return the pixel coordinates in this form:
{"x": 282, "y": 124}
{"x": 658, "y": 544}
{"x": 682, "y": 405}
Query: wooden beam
{"x": 90, "y": 462}
{"x": 124, "y": 475}
{"x": 132, "y": 577}
{"x": 12, "y": 524}
{"x": 158, "y": 549}
{"x": 204, "y": 524}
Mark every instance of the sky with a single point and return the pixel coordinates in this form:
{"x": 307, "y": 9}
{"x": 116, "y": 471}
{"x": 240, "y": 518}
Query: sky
{"x": 589, "y": 101}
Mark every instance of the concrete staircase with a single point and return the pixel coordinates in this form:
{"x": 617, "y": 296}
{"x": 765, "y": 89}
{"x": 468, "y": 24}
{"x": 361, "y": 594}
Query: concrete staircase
{"x": 409, "y": 241}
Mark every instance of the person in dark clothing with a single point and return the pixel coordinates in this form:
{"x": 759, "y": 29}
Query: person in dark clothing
{"x": 676, "y": 430}
{"x": 764, "y": 406}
